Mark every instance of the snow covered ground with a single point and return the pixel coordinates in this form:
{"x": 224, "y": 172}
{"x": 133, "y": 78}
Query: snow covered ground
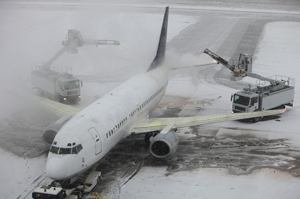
{"x": 277, "y": 53}
{"x": 23, "y": 29}
{"x": 211, "y": 183}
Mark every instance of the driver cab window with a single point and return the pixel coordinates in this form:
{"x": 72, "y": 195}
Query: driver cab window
{"x": 253, "y": 101}
{"x": 248, "y": 60}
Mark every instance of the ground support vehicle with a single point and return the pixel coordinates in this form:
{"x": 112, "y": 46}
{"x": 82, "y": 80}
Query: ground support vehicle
{"x": 269, "y": 93}
{"x": 62, "y": 190}
{"x": 272, "y": 96}
{"x": 61, "y": 85}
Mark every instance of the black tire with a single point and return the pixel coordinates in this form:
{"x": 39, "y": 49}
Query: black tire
{"x": 282, "y": 107}
{"x": 147, "y": 138}
{"x": 256, "y": 119}
{"x": 80, "y": 194}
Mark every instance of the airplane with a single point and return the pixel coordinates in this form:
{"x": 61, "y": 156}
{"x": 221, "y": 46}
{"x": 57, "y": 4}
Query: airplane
{"x": 82, "y": 138}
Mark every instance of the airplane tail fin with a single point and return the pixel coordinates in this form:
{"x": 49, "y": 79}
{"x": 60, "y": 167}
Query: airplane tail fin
{"x": 161, "y": 49}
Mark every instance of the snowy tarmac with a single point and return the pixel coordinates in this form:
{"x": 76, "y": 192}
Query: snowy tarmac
{"x": 223, "y": 160}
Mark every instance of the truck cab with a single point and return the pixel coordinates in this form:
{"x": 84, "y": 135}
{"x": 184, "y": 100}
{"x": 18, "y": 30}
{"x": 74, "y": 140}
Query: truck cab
{"x": 245, "y": 101}
{"x": 68, "y": 89}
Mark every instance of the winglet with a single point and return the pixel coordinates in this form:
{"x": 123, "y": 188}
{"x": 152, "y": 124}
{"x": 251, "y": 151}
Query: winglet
{"x": 161, "y": 49}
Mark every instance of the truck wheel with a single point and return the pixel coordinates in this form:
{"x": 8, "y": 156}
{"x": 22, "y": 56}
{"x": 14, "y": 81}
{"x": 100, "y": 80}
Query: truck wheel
{"x": 80, "y": 194}
{"x": 255, "y": 119}
{"x": 282, "y": 107}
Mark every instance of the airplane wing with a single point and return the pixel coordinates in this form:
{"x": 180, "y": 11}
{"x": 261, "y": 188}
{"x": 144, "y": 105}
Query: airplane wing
{"x": 56, "y": 108}
{"x": 156, "y": 124}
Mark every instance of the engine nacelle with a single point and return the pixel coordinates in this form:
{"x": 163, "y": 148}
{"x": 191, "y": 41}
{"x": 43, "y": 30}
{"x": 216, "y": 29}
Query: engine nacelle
{"x": 164, "y": 144}
{"x": 50, "y": 133}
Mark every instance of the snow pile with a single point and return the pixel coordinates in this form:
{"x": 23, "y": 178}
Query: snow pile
{"x": 20, "y": 175}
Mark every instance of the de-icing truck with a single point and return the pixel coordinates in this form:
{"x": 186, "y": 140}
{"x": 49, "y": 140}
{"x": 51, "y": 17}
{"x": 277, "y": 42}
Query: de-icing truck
{"x": 61, "y": 85}
{"x": 275, "y": 92}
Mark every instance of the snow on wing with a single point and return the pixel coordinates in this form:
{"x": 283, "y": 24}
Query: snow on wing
{"x": 157, "y": 124}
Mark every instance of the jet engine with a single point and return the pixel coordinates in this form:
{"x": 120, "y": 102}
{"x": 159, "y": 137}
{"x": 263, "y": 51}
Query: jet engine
{"x": 164, "y": 144}
{"x": 50, "y": 132}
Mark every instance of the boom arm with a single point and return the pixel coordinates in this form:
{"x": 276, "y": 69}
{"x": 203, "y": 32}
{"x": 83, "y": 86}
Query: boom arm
{"x": 74, "y": 40}
{"x": 241, "y": 71}
{"x": 219, "y": 59}
{"x": 100, "y": 42}
{"x": 47, "y": 65}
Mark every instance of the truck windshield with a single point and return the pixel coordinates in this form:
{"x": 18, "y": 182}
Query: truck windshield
{"x": 238, "y": 99}
{"x": 71, "y": 85}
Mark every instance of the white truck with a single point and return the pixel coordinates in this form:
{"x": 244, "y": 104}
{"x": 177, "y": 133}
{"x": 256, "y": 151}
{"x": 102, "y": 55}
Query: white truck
{"x": 269, "y": 93}
{"x": 63, "y": 86}
{"x": 57, "y": 190}
{"x": 276, "y": 95}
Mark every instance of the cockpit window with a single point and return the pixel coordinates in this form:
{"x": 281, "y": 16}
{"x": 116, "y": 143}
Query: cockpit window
{"x": 79, "y": 147}
{"x": 74, "y": 150}
{"x": 63, "y": 151}
{"x": 54, "y": 149}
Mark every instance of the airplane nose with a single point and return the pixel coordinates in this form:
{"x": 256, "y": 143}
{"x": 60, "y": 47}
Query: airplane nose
{"x": 56, "y": 168}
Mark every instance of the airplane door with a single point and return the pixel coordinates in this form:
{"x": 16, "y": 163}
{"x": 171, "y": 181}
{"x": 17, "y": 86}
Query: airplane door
{"x": 97, "y": 140}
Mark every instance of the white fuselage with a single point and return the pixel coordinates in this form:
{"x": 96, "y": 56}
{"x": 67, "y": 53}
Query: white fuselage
{"x": 101, "y": 125}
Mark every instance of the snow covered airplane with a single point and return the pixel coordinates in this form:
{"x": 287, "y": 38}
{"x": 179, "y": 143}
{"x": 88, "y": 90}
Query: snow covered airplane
{"x": 80, "y": 142}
